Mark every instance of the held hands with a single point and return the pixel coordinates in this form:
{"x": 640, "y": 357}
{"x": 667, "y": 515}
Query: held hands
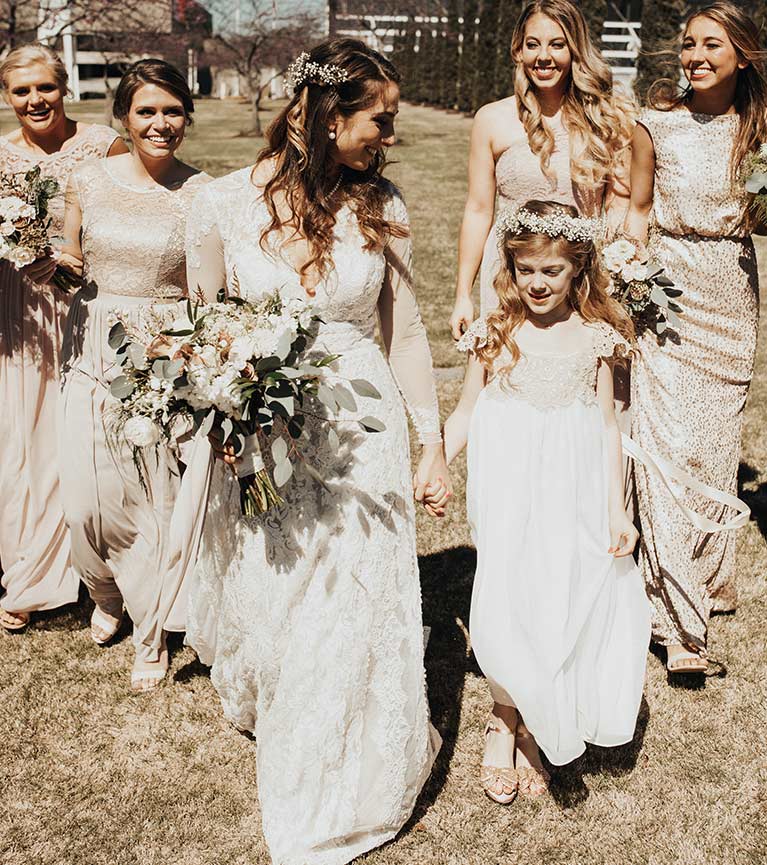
{"x": 623, "y": 535}
{"x": 461, "y": 317}
{"x": 224, "y": 453}
{"x": 431, "y": 481}
{"x": 41, "y": 270}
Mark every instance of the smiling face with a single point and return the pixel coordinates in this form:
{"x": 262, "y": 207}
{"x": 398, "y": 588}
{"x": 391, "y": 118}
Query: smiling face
{"x": 156, "y": 122}
{"x": 545, "y": 54}
{"x": 360, "y": 136}
{"x": 543, "y": 280}
{"x": 37, "y": 98}
{"x": 709, "y": 59}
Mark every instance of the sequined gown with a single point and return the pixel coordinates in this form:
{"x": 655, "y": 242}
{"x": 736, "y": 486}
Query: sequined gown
{"x": 688, "y": 398}
{"x": 34, "y": 543}
{"x": 311, "y": 614}
{"x": 127, "y": 546}
{"x": 559, "y": 626}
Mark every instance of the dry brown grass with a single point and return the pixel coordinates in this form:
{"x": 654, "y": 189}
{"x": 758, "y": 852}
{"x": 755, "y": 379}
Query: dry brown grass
{"x": 95, "y": 776}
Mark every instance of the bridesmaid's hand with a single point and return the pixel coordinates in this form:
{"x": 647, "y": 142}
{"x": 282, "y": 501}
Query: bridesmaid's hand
{"x": 41, "y": 270}
{"x": 224, "y": 453}
{"x": 70, "y": 262}
{"x": 623, "y": 535}
{"x": 461, "y": 317}
{"x": 432, "y": 474}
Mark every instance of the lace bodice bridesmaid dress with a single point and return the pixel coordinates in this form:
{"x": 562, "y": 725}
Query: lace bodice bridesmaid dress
{"x": 688, "y": 395}
{"x": 34, "y": 543}
{"x": 311, "y": 614}
{"x": 126, "y": 545}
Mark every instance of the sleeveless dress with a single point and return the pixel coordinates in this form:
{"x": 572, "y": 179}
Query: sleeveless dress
{"x": 122, "y": 544}
{"x": 688, "y": 398}
{"x": 519, "y": 178}
{"x": 311, "y": 613}
{"x": 559, "y": 626}
{"x": 34, "y": 543}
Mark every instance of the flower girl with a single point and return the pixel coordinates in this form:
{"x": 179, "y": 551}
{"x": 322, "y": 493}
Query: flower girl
{"x": 559, "y": 618}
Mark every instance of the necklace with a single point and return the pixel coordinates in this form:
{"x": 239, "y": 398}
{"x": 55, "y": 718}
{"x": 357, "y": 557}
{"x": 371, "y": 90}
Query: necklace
{"x": 335, "y": 187}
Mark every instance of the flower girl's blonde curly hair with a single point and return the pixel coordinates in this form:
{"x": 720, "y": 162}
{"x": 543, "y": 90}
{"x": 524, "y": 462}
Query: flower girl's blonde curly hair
{"x": 598, "y": 118}
{"x": 588, "y": 291}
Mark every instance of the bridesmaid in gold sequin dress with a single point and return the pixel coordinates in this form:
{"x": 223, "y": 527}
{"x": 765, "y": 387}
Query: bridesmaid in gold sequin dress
{"x": 688, "y": 396}
{"x": 34, "y": 543}
{"x": 126, "y": 219}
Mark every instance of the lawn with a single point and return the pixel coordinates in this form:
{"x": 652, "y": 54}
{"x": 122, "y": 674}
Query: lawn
{"x": 96, "y": 776}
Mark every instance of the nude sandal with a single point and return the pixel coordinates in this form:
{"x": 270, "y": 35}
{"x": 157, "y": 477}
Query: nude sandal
{"x": 146, "y": 676}
{"x": 685, "y": 661}
{"x": 533, "y": 780}
{"x": 499, "y": 781}
{"x": 13, "y": 621}
{"x": 103, "y": 626}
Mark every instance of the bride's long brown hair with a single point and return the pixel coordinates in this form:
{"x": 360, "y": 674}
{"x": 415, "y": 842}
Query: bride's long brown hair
{"x": 587, "y": 296}
{"x": 298, "y": 144}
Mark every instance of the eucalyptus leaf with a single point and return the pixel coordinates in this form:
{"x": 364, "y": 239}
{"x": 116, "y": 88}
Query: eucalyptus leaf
{"x": 268, "y": 364}
{"x": 279, "y": 450}
{"x": 283, "y": 471}
{"x": 137, "y": 356}
{"x": 117, "y": 335}
{"x": 372, "y": 424}
{"x": 333, "y": 441}
{"x": 757, "y": 183}
{"x": 673, "y": 319}
{"x": 122, "y": 387}
{"x": 662, "y": 279}
{"x": 660, "y": 326}
{"x": 173, "y": 368}
{"x": 239, "y": 443}
{"x": 365, "y": 388}
{"x": 658, "y": 296}
{"x": 344, "y": 397}
{"x": 283, "y": 406}
{"x": 284, "y": 345}
{"x": 326, "y": 397}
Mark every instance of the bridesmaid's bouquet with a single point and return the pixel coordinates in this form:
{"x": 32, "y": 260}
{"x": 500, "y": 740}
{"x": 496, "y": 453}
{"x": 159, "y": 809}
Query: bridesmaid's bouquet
{"x": 236, "y": 370}
{"x": 25, "y": 223}
{"x": 755, "y": 173}
{"x": 648, "y": 295}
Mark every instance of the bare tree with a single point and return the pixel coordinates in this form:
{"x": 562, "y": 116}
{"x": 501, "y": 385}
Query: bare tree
{"x": 253, "y": 39}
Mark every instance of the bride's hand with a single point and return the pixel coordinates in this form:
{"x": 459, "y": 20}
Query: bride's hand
{"x": 461, "y": 317}
{"x": 623, "y": 535}
{"x": 431, "y": 481}
{"x": 224, "y": 452}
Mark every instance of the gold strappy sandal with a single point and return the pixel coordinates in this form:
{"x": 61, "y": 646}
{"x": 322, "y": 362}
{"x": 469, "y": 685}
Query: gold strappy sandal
{"x": 533, "y": 780}
{"x": 499, "y": 781}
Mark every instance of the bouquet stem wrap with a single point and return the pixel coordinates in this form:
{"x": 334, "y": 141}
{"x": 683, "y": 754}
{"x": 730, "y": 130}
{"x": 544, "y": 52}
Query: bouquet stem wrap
{"x": 257, "y": 491}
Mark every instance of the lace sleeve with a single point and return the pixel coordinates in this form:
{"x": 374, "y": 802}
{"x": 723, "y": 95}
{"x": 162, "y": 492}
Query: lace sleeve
{"x": 404, "y": 334}
{"x": 205, "y": 268}
{"x": 609, "y": 344}
{"x": 475, "y": 336}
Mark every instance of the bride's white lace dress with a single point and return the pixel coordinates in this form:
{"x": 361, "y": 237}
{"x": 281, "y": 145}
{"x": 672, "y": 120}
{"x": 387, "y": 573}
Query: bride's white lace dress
{"x": 311, "y": 615}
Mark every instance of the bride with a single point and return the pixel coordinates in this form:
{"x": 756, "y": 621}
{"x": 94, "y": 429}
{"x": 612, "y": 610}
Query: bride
{"x": 310, "y": 615}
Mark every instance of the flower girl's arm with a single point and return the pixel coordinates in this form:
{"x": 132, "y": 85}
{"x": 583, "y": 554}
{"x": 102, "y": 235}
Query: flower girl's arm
{"x": 642, "y": 184}
{"x": 457, "y": 425}
{"x": 623, "y": 534}
{"x": 205, "y": 268}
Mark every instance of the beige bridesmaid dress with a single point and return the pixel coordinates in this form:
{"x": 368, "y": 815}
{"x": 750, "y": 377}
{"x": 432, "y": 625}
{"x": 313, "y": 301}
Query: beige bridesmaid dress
{"x": 128, "y": 545}
{"x": 34, "y": 542}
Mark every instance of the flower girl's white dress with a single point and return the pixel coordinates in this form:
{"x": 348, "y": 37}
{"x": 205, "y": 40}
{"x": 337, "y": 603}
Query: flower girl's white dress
{"x": 558, "y": 625}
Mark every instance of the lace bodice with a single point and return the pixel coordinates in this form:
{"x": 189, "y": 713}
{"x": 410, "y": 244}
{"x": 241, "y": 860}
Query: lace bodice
{"x": 92, "y": 142}
{"x": 519, "y": 177}
{"x": 693, "y": 192}
{"x": 548, "y": 381}
{"x": 133, "y": 238}
{"x": 224, "y": 250}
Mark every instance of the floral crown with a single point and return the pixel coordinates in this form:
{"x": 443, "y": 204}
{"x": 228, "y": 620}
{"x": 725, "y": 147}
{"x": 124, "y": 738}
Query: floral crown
{"x": 302, "y": 69}
{"x": 577, "y": 229}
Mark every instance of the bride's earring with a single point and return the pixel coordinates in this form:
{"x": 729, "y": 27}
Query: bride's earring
{"x": 332, "y": 135}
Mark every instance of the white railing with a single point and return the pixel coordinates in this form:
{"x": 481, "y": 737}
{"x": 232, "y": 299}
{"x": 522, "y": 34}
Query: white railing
{"x": 620, "y": 46}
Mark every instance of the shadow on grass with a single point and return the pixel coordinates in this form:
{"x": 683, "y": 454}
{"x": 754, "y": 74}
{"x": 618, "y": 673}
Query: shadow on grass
{"x": 446, "y": 580}
{"x": 756, "y": 499}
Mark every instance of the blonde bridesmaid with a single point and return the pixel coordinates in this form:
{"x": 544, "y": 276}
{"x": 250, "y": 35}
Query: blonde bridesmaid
{"x": 34, "y": 543}
{"x": 125, "y": 221}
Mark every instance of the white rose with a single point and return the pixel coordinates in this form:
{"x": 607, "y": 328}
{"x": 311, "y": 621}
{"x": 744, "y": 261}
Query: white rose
{"x": 4, "y": 247}
{"x": 20, "y": 256}
{"x": 7, "y": 228}
{"x": 622, "y": 249}
{"x": 142, "y": 432}
{"x": 12, "y": 206}
{"x": 241, "y": 352}
{"x": 634, "y": 271}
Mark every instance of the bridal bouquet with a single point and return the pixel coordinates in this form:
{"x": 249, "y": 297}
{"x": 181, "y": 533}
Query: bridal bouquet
{"x": 25, "y": 224}
{"x": 645, "y": 291}
{"x": 755, "y": 172}
{"x": 237, "y": 370}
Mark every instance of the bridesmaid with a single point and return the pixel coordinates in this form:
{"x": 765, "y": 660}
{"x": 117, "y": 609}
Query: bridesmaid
{"x": 126, "y": 221}
{"x": 688, "y": 398}
{"x": 563, "y": 136}
{"x": 34, "y": 543}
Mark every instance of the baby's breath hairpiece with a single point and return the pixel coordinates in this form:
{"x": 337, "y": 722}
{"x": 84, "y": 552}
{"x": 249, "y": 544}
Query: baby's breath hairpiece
{"x": 302, "y": 69}
{"x": 559, "y": 224}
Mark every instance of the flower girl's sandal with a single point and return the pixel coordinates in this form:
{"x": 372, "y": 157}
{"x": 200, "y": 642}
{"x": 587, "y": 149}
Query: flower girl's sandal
{"x": 146, "y": 676}
{"x": 13, "y": 621}
{"x": 680, "y": 660}
{"x": 103, "y": 626}
{"x": 497, "y": 773}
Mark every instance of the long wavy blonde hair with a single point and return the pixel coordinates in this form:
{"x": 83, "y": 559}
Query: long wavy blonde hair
{"x": 587, "y": 295}
{"x": 298, "y": 144}
{"x": 598, "y": 118}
